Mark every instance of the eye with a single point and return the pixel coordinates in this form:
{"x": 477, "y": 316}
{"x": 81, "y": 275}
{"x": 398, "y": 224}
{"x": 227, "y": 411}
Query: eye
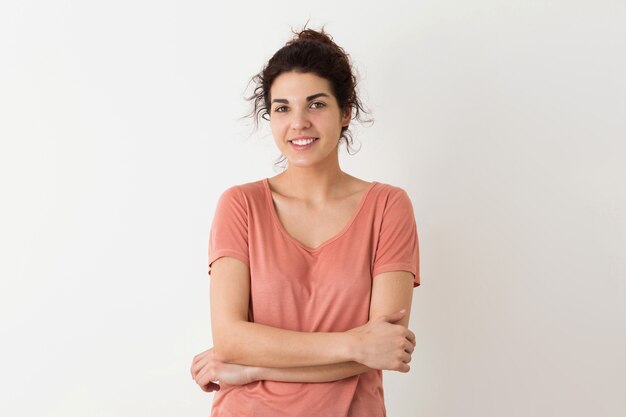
{"x": 278, "y": 109}
{"x": 321, "y": 105}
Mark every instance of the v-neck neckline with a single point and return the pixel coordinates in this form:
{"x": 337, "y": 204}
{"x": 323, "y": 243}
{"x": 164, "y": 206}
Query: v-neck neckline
{"x": 277, "y": 222}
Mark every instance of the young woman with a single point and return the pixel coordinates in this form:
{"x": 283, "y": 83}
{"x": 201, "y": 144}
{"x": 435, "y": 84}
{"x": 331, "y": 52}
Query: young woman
{"x": 311, "y": 270}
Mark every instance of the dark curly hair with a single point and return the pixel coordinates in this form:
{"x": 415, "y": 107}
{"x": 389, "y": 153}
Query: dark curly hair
{"x": 314, "y": 52}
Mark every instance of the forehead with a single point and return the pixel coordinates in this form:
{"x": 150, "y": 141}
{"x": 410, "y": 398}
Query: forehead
{"x": 298, "y": 85}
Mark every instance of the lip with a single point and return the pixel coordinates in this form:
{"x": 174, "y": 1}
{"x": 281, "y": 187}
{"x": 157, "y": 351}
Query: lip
{"x": 302, "y": 147}
{"x": 302, "y": 137}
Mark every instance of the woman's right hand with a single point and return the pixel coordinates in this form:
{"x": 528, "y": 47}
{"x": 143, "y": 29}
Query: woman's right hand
{"x": 210, "y": 373}
{"x": 381, "y": 344}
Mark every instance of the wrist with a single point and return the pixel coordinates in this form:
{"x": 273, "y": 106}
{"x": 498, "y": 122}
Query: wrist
{"x": 254, "y": 373}
{"x": 352, "y": 347}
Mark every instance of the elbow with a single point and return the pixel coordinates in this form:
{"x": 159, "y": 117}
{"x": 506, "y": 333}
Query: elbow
{"x": 222, "y": 348}
{"x": 221, "y": 353}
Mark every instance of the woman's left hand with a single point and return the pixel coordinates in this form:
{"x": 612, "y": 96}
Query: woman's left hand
{"x": 209, "y": 373}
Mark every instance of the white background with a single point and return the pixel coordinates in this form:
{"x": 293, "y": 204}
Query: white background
{"x": 504, "y": 121}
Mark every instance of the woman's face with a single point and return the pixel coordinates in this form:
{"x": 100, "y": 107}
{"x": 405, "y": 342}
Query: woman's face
{"x": 303, "y": 107}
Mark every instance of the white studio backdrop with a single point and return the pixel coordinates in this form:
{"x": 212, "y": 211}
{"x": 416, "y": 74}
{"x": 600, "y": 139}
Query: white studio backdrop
{"x": 504, "y": 121}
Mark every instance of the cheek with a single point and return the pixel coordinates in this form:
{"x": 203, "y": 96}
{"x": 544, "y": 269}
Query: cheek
{"x": 278, "y": 130}
{"x": 330, "y": 121}
{"x": 277, "y": 121}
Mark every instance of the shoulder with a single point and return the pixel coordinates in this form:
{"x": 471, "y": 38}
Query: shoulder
{"x": 391, "y": 201}
{"x": 243, "y": 193}
{"x": 389, "y": 193}
{"x": 390, "y": 188}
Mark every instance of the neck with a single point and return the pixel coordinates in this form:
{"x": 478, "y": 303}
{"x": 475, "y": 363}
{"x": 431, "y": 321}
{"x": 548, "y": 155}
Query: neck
{"x": 315, "y": 184}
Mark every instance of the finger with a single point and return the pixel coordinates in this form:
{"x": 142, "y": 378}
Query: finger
{"x": 197, "y": 367}
{"x": 201, "y": 355}
{"x": 194, "y": 371}
{"x": 196, "y": 364}
{"x": 410, "y": 336}
{"x": 406, "y": 358}
{"x": 206, "y": 377}
{"x": 192, "y": 364}
{"x": 409, "y": 347}
{"x": 197, "y": 358}
{"x": 401, "y": 367}
{"x": 210, "y": 387}
{"x": 394, "y": 316}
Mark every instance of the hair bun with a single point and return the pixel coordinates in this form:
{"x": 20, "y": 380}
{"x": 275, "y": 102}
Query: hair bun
{"x": 310, "y": 34}
{"x": 313, "y": 35}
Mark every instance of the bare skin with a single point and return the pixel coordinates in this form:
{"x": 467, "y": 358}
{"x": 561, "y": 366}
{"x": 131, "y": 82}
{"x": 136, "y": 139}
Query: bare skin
{"x": 312, "y": 223}
{"x": 207, "y": 369}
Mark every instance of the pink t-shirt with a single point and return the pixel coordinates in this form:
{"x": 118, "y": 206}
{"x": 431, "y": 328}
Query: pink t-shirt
{"x": 326, "y": 289}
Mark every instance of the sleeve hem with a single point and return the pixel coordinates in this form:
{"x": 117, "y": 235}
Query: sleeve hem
{"x": 398, "y": 267}
{"x": 227, "y": 252}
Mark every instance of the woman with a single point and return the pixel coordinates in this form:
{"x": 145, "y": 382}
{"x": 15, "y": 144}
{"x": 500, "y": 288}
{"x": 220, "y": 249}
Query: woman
{"x": 311, "y": 270}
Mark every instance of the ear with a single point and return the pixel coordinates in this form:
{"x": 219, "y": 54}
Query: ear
{"x": 345, "y": 119}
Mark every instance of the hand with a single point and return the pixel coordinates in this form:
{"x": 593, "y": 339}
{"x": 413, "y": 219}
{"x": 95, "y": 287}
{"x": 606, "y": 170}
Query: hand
{"x": 384, "y": 345}
{"x": 209, "y": 373}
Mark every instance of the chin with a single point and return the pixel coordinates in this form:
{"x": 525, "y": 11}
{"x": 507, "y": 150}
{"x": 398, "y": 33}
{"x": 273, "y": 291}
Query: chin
{"x": 302, "y": 164}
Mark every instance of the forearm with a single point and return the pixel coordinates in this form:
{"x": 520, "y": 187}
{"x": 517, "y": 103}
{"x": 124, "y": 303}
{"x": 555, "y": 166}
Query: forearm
{"x": 236, "y": 340}
{"x": 255, "y": 344}
{"x": 321, "y": 373}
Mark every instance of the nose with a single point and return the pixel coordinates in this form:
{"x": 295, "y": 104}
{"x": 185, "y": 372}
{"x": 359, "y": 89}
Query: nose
{"x": 300, "y": 120}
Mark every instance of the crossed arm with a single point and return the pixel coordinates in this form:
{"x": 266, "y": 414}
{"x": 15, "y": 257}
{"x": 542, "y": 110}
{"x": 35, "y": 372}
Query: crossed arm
{"x": 245, "y": 352}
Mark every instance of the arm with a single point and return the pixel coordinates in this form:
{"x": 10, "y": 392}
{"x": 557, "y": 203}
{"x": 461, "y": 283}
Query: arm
{"x": 391, "y": 291}
{"x": 241, "y": 342}
{"x": 320, "y": 373}
{"x": 238, "y": 341}
{"x": 211, "y": 374}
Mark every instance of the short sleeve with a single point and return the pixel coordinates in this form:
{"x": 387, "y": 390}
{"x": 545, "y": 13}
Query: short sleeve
{"x": 229, "y": 228}
{"x": 398, "y": 247}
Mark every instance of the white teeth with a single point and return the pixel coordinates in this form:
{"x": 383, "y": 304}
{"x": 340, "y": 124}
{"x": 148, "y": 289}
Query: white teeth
{"x": 302, "y": 141}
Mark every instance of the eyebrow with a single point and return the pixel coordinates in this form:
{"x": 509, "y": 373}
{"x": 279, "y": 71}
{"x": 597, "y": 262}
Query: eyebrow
{"x": 309, "y": 98}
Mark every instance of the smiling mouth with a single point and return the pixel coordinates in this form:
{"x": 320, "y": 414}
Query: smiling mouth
{"x": 302, "y": 142}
